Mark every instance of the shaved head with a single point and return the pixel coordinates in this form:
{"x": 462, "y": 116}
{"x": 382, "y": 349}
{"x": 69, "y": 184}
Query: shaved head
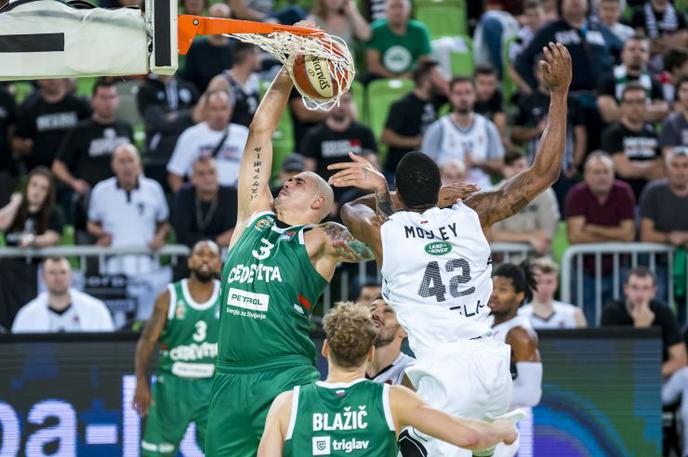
{"x": 324, "y": 190}
{"x": 305, "y": 198}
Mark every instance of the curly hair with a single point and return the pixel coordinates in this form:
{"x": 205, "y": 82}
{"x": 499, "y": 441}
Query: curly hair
{"x": 350, "y": 333}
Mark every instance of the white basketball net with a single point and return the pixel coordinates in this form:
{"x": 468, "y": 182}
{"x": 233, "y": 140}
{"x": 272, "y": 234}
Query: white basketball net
{"x": 286, "y": 46}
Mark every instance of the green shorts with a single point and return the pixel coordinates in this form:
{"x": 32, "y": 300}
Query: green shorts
{"x": 176, "y": 403}
{"x": 240, "y": 400}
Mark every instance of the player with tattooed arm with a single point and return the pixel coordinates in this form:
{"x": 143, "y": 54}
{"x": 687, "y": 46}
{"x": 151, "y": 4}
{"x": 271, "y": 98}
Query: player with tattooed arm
{"x": 436, "y": 265}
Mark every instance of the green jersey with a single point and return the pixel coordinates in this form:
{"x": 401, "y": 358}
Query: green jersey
{"x": 188, "y": 344}
{"x": 341, "y": 420}
{"x": 269, "y": 288}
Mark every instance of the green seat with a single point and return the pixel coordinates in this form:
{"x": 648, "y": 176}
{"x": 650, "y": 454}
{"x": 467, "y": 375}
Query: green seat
{"x": 381, "y": 94}
{"x": 462, "y": 62}
{"x": 359, "y": 95}
{"x": 84, "y": 86}
{"x": 442, "y": 17}
{"x": 282, "y": 138}
{"x": 508, "y": 84}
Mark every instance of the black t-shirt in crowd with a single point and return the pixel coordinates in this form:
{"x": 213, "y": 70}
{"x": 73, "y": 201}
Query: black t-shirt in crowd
{"x": 328, "y": 146}
{"x": 204, "y": 61}
{"x": 637, "y": 146}
{"x": 87, "y": 148}
{"x": 55, "y": 223}
{"x": 299, "y": 128}
{"x": 47, "y": 124}
{"x": 409, "y": 116}
{"x": 8, "y": 117}
{"x": 495, "y": 104}
{"x": 670, "y": 25}
{"x": 193, "y": 223}
{"x": 246, "y": 100}
{"x": 608, "y": 86}
{"x": 616, "y": 314}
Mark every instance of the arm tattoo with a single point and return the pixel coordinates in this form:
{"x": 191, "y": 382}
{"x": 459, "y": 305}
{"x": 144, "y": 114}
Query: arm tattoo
{"x": 494, "y": 206}
{"x": 255, "y": 180}
{"x": 346, "y": 247}
{"x": 383, "y": 205}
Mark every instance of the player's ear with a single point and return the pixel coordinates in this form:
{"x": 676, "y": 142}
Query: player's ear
{"x": 325, "y": 349}
{"x": 401, "y": 333}
{"x": 318, "y": 203}
{"x": 371, "y": 354}
{"x": 520, "y": 296}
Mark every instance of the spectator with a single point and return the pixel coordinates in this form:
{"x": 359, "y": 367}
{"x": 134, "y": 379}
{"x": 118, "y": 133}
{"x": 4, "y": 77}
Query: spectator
{"x": 544, "y": 311}
{"x": 675, "y": 69}
{"x": 84, "y": 157}
{"x": 494, "y": 27}
{"x": 453, "y": 171}
{"x": 389, "y": 363}
{"x": 242, "y": 81}
{"x": 44, "y": 119}
{"x": 164, "y": 103}
{"x": 369, "y": 292}
{"x": 609, "y": 13}
{"x": 465, "y": 135}
{"x": 8, "y": 167}
{"x": 216, "y": 137}
{"x": 633, "y": 69}
{"x": 62, "y": 308}
{"x": 640, "y": 309}
{"x": 663, "y": 25}
{"x": 291, "y": 166}
{"x": 30, "y": 220}
{"x": 534, "y": 18}
{"x": 209, "y": 55}
{"x": 536, "y": 223}
{"x": 409, "y": 117}
{"x": 374, "y": 9}
{"x": 489, "y": 100}
{"x": 303, "y": 119}
{"x": 397, "y": 43}
{"x": 128, "y": 210}
{"x": 264, "y": 11}
{"x": 599, "y": 210}
{"x": 633, "y": 143}
{"x": 663, "y": 215}
{"x": 341, "y": 18}
{"x": 675, "y": 128}
{"x": 530, "y": 123}
{"x": 195, "y": 7}
{"x": 204, "y": 210}
{"x": 332, "y": 140}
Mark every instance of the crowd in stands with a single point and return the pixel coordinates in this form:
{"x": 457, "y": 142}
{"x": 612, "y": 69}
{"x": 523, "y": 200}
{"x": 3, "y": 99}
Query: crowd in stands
{"x": 150, "y": 160}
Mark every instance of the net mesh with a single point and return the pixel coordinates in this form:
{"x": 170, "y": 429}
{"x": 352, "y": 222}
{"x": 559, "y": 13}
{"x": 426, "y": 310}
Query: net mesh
{"x": 286, "y": 46}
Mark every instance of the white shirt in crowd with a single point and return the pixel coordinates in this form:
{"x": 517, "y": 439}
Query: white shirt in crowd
{"x": 85, "y": 314}
{"x": 130, "y": 218}
{"x": 563, "y": 316}
{"x": 201, "y": 141}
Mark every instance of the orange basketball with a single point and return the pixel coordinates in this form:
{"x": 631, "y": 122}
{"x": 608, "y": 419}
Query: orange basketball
{"x": 315, "y": 76}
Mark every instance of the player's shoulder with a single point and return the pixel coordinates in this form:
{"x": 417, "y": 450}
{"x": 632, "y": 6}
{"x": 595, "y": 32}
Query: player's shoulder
{"x": 522, "y": 335}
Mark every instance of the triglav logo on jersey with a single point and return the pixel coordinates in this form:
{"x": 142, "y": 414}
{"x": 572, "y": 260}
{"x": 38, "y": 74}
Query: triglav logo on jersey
{"x": 321, "y": 445}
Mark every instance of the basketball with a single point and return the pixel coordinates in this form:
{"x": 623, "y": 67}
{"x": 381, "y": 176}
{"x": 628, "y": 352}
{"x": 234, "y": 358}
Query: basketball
{"x": 316, "y": 78}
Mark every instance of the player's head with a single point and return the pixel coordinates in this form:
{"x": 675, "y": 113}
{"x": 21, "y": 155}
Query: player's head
{"x": 105, "y": 99}
{"x": 57, "y": 275}
{"x": 511, "y": 285}
{"x": 545, "y": 271}
{"x": 349, "y": 336}
{"x": 386, "y": 324}
{"x": 305, "y": 196}
{"x": 204, "y": 261}
{"x": 418, "y": 181}
{"x": 462, "y": 94}
{"x": 640, "y": 287}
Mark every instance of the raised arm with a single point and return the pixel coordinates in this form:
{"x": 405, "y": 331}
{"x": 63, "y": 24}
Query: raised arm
{"x": 144, "y": 352}
{"x": 518, "y": 191}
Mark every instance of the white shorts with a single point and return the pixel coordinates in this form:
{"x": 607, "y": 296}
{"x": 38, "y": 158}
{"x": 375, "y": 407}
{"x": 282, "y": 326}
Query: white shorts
{"x": 469, "y": 378}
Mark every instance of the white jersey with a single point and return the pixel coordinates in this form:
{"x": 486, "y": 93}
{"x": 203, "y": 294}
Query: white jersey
{"x": 436, "y": 271}
{"x": 563, "y": 316}
{"x": 394, "y": 373}
{"x": 500, "y": 331}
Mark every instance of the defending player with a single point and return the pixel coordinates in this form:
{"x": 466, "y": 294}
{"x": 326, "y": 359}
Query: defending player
{"x": 348, "y": 415}
{"x": 389, "y": 364}
{"x": 511, "y": 284}
{"x": 436, "y": 262}
{"x": 184, "y": 323}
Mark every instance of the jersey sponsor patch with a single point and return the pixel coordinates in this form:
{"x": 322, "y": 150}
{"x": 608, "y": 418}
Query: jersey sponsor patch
{"x": 263, "y": 223}
{"x": 321, "y": 445}
{"x": 248, "y": 300}
{"x": 438, "y": 248}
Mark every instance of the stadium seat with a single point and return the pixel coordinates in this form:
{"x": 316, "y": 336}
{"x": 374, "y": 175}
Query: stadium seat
{"x": 283, "y": 138}
{"x": 359, "y": 95}
{"x": 442, "y": 17}
{"x": 462, "y": 63}
{"x": 381, "y": 94}
{"x": 508, "y": 85}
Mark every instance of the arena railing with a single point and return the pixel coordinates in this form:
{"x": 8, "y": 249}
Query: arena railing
{"x": 624, "y": 256}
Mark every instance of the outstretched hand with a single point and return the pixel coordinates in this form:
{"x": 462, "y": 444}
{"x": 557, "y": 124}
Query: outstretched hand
{"x": 453, "y": 192}
{"x": 556, "y": 67}
{"x": 358, "y": 173}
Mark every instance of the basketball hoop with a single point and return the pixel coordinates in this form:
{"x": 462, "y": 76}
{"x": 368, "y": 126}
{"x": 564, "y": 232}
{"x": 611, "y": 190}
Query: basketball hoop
{"x": 285, "y": 43}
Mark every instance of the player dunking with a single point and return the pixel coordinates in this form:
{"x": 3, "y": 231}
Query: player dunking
{"x": 436, "y": 263}
{"x": 279, "y": 263}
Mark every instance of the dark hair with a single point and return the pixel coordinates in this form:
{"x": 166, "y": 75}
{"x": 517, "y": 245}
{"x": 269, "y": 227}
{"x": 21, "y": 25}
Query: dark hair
{"x": 54, "y": 258}
{"x": 46, "y": 208}
{"x": 512, "y": 156}
{"x": 560, "y": 8}
{"x": 484, "y": 69}
{"x": 102, "y": 82}
{"x": 530, "y": 4}
{"x": 241, "y": 50}
{"x": 679, "y": 83}
{"x": 422, "y": 71}
{"x": 641, "y": 272}
{"x": 521, "y": 275}
{"x": 418, "y": 180}
{"x": 461, "y": 79}
{"x": 636, "y": 37}
{"x": 632, "y": 87}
